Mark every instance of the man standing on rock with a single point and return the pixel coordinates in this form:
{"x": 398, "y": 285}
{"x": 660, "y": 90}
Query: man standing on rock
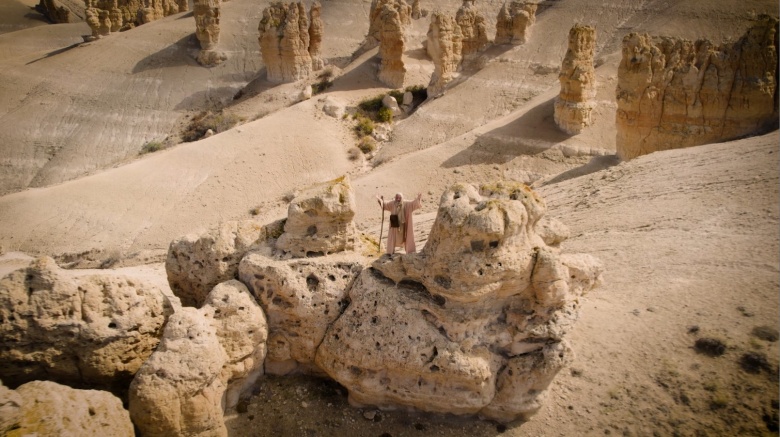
{"x": 401, "y": 232}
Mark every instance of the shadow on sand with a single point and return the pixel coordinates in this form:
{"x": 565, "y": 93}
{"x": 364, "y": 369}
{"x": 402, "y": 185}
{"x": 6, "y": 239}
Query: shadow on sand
{"x": 174, "y": 55}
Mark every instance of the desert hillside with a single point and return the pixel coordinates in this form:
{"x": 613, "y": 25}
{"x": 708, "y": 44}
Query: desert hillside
{"x": 689, "y": 238}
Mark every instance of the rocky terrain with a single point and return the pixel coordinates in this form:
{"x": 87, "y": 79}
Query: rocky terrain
{"x": 190, "y": 233}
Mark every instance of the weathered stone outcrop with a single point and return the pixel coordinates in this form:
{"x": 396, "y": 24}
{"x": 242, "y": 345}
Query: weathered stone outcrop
{"x": 284, "y": 42}
{"x": 674, "y": 93}
{"x": 416, "y": 10}
{"x": 444, "y": 46}
{"x": 316, "y": 30}
{"x": 197, "y": 263}
{"x": 205, "y": 355}
{"x": 319, "y": 220}
{"x": 375, "y": 24}
{"x": 301, "y": 298}
{"x": 107, "y": 16}
{"x": 55, "y": 12}
{"x": 513, "y": 25}
{"x": 473, "y": 27}
{"x": 45, "y": 408}
{"x": 574, "y": 104}
{"x": 92, "y": 330}
{"x": 474, "y": 324}
{"x": 391, "y": 48}
{"x": 10, "y": 409}
{"x": 206, "y": 14}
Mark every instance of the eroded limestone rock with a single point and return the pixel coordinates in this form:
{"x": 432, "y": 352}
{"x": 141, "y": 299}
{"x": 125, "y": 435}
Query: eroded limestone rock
{"x": 55, "y": 12}
{"x": 376, "y": 25}
{"x": 197, "y": 263}
{"x": 205, "y": 355}
{"x": 316, "y": 30}
{"x": 574, "y": 104}
{"x": 50, "y": 409}
{"x": 301, "y": 299}
{"x": 10, "y": 409}
{"x": 206, "y": 14}
{"x": 444, "y": 46}
{"x": 473, "y": 28}
{"x": 93, "y": 329}
{"x": 284, "y": 42}
{"x": 513, "y": 25}
{"x": 416, "y": 10}
{"x": 674, "y": 93}
{"x": 319, "y": 220}
{"x": 473, "y": 324}
{"x": 391, "y": 48}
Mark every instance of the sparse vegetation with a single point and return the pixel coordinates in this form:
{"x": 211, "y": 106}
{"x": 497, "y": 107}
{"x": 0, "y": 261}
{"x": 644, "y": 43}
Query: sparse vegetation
{"x": 384, "y": 115}
{"x": 254, "y": 211}
{"x": 202, "y": 122}
{"x": 151, "y": 147}
{"x": 419, "y": 94}
{"x": 364, "y": 126}
{"x": 710, "y": 346}
{"x": 367, "y": 144}
{"x": 354, "y": 153}
{"x": 325, "y": 82}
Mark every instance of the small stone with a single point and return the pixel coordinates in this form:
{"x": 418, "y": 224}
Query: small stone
{"x": 369, "y": 415}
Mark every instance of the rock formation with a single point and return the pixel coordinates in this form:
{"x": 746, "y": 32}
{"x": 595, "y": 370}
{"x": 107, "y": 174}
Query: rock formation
{"x": 92, "y": 17}
{"x": 204, "y": 355}
{"x": 301, "y": 299}
{"x": 444, "y": 46}
{"x": 376, "y": 25}
{"x": 284, "y": 42}
{"x": 473, "y": 27}
{"x": 74, "y": 328}
{"x": 416, "y": 11}
{"x": 674, "y": 93}
{"x": 55, "y": 12}
{"x": 116, "y": 16}
{"x": 391, "y": 48}
{"x": 197, "y": 263}
{"x": 574, "y": 104}
{"x": 474, "y": 324}
{"x": 514, "y": 22}
{"x": 206, "y": 14}
{"x": 45, "y": 408}
{"x": 316, "y": 30}
{"x": 10, "y": 409}
{"x": 319, "y": 220}
{"x": 107, "y": 16}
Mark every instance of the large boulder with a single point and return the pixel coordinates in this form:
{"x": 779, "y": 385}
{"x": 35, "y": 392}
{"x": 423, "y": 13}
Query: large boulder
{"x": 10, "y": 409}
{"x": 87, "y": 329}
{"x": 197, "y": 263}
{"x": 319, "y": 220}
{"x": 674, "y": 93}
{"x": 473, "y": 324}
{"x": 301, "y": 298}
{"x": 45, "y": 408}
{"x": 206, "y": 359}
{"x": 574, "y": 104}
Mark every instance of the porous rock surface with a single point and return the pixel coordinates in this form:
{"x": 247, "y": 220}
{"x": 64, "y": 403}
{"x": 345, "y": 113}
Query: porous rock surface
{"x": 301, "y": 298}
{"x": 444, "y": 46}
{"x": 474, "y": 29}
{"x": 206, "y": 358}
{"x": 674, "y": 93}
{"x": 10, "y": 409}
{"x": 45, "y": 408}
{"x": 197, "y": 263}
{"x": 375, "y": 25}
{"x": 513, "y": 24}
{"x": 316, "y": 30}
{"x": 319, "y": 220}
{"x": 206, "y": 14}
{"x": 55, "y": 12}
{"x": 474, "y": 324}
{"x": 391, "y": 48}
{"x": 93, "y": 330}
{"x": 284, "y": 42}
{"x": 574, "y": 105}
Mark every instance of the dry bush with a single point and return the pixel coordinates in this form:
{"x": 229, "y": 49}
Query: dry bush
{"x": 367, "y": 145}
{"x": 217, "y": 122}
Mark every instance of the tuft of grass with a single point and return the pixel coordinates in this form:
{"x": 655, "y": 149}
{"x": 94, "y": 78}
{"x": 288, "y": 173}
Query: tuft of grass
{"x": 325, "y": 82}
{"x": 384, "y": 115}
{"x": 151, "y": 147}
{"x": 254, "y": 211}
{"x": 398, "y": 95}
{"x": 202, "y": 122}
{"x": 372, "y": 105}
{"x": 367, "y": 144}
{"x": 354, "y": 154}
{"x": 364, "y": 126}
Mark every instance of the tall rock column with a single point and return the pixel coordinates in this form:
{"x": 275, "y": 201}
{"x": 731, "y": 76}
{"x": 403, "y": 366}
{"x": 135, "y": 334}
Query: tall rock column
{"x": 674, "y": 93}
{"x": 444, "y": 46}
{"x": 207, "y": 30}
{"x": 316, "y": 29}
{"x": 391, "y": 48}
{"x": 514, "y": 22}
{"x": 574, "y": 104}
{"x": 472, "y": 25}
{"x": 284, "y": 42}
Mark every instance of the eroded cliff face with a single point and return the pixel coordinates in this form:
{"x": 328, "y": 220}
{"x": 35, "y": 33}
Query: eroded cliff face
{"x": 513, "y": 25}
{"x": 391, "y": 48}
{"x": 284, "y": 42}
{"x": 474, "y": 29}
{"x": 674, "y": 93}
{"x": 475, "y": 323}
{"x": 444, "y": 46}
{"x": 574, "y": 104}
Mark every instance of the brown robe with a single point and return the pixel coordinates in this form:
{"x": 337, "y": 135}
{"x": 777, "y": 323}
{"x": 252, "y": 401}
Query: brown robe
{"x": 395, "y": 237}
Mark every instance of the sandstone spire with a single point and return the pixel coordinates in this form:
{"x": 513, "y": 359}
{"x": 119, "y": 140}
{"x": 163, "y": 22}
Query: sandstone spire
{"x": 472, "y": 25}
{"x": 514, "y": 21}
{"x": 444, "y": 46}
{"x": 316, "y": 29}
{"x": 674, "y": 93}
{"x": 578, "y": 81}
{"x": 391, "y": 48}
{"x": 284, "y": 42}
{"x": 375, "y": 19}
{"x": 206, "y": 14}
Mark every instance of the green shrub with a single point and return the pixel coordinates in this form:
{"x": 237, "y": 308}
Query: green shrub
{"x": 217, "y": 122}
{"x": 321, "y": 86}
{"x": 419, "y": 94}
{"x": 398, "y": 95}
{"x": 151, "y": 147}
{"x": 364, "y": 127}
{"x": 385, "y": 115}
{"x": 372, "y": 105}
{"x": 367, "y": 145}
